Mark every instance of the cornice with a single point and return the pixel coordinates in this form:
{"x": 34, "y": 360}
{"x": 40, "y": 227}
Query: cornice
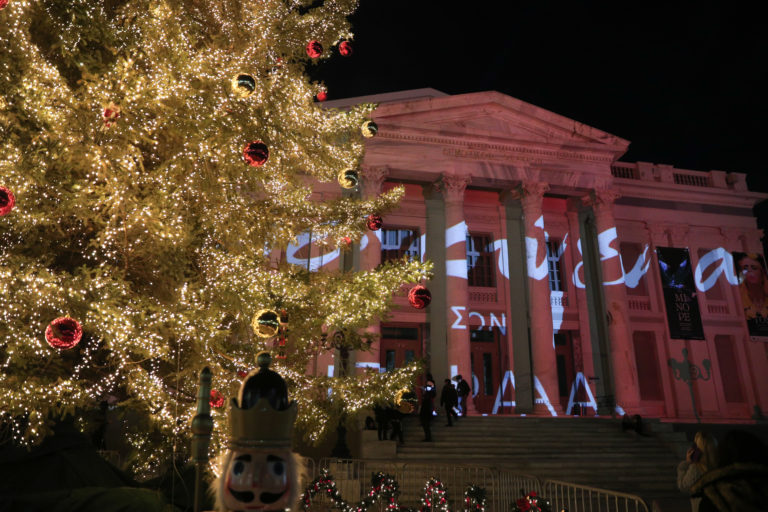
{"x": 496, "y": 102}
{"x": 478, "y": 148}
{"x": 688, "y": 194}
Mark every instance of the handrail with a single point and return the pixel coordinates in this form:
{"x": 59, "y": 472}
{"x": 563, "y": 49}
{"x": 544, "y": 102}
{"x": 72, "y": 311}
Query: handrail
{"x": 502, "y": 486}
{"x": 577, "y": 497}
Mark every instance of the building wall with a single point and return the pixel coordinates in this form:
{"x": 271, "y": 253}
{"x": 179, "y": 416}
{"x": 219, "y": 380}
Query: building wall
{"x": 486, "y": 164}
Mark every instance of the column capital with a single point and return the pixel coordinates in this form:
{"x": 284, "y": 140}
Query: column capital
{"x": 657, "y": 233}
{"x": 753, "y": 240}
{"x": 452, "y": 186}
{"x": 601, "y": 198}
{"x": 373, "y": 178}
{"x": 731, "y": 238}
{"x": 678, "y": 233}
{"x": 531, "y": 194}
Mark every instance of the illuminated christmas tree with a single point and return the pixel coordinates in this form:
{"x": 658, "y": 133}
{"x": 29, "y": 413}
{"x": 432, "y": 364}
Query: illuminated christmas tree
{"x": 156, "y": 159}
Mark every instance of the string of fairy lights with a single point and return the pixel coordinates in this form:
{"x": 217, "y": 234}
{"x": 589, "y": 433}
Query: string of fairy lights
{"x": 137, "y": 215}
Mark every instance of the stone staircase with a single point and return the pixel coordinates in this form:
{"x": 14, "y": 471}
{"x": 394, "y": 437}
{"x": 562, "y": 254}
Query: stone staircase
{"x": 588, "y": 451}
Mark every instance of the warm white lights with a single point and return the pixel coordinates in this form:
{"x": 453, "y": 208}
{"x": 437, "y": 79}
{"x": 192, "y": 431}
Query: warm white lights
{"x": 121, "y": 138}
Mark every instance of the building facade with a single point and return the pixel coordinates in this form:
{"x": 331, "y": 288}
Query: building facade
{"x": 565, "y": 281}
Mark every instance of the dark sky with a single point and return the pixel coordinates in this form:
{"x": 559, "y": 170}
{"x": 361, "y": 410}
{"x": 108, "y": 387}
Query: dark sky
{"x": 686, "y": 84}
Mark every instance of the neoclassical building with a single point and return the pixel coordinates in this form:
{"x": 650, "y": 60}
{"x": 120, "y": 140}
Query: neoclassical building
{"x": 565, "y": 281}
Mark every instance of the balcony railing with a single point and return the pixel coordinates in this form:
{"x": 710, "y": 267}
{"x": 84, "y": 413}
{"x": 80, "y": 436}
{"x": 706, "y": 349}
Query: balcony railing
{"x": 643, "y": 171}
{"x": 639, "y": 303}
{"x": 558, "y": 299}
{"x": 482, "y": 295}
{"x": 694, "y": 180}
{"x": 626, "y": 171}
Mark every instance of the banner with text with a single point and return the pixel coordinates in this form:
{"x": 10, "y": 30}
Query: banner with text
{"x": 753, "y": 289}
{"x": 683, "y": 314}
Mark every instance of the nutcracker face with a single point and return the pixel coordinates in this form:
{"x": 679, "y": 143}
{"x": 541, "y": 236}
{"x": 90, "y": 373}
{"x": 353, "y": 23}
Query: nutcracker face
{"x": 258, "y": 480}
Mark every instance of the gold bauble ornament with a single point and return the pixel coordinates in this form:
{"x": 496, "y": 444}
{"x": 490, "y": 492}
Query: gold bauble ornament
{"x": 266, "y": 323}
{"x": 348, "y": 178}
{"x": 369, "y": 129}
{"x": 243, "y": 85}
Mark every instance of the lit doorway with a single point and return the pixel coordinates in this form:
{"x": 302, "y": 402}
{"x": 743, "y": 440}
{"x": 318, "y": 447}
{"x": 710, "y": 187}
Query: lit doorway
{"x": 565, "y": 367}
{"x": 486, "y": 370}
{"x": 400, "y": 345}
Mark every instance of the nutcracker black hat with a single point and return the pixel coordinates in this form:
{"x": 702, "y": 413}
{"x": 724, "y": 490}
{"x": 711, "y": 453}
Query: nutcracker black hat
{"x": 262, "y": 415}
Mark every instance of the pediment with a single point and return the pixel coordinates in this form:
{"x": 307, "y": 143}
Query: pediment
{"x": 494, "y": 116}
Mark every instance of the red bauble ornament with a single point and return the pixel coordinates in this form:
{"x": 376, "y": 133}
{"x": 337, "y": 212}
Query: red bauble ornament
{"x": 314, "y": 49}
{"x": 64, "y": 333}
{"x": 217, "y": 399}
{"x": 322, "y": 96}
{"x": 345, "y": 240}
{"x": 242, "y": 374}
{"x": 110, "y": 115}
{"x": 374, "y": 222}
{"x": 419, "y": 297}
{"x": 7, "y": 199}
{"x": 345, "y": 48}
{"x": 3, "y": 3}
{"x": 256, "y": 153}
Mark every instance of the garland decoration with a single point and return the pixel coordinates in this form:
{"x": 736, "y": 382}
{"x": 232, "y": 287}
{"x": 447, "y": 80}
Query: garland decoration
{"x": 474, "y": 499}
{"x": 386, "y": 490}
{"x": 383, "y": 487}
{"x": 531, "y": 502}
{"x": 434, "y": 497}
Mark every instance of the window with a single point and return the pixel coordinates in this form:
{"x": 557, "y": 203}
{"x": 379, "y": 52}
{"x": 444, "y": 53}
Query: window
{"x": 390, "y": 360}
{"x": 487, "y": 374}
{"x": 647, "y": 363}
{"x": 399, "y": 333}
{"x": 480, "y": 268}
{"x": 729, "y": 369}
{"x": 556, "y": 283}
{"x": 396, "y": 243}
{"x": 482, "y": 335}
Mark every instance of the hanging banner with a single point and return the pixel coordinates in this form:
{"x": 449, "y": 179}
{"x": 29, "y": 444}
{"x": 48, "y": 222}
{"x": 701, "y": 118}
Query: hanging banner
{"x": 683, "y": 314}
{"x": 753, "y": 289}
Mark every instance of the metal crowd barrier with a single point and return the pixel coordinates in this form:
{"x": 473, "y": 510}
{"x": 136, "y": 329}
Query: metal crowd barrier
{"x": 582, "y": 498}
{"x": 503, "y": 487}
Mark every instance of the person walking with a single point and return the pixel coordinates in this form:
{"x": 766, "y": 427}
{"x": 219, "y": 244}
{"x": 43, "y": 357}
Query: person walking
{"x": 427, "y": 406}
{"x": 449, "y": 399}
{"x": 700, "y": 458}
{"x": 462, "y": 388}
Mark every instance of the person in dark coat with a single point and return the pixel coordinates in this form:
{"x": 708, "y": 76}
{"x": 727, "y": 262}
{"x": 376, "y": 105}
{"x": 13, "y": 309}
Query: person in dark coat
{"x": 427, "y": 406}
{"x": 462, "y": 388}
{"x": 449, "y": 399}
{"x": 382, "y": 421}
{"x": 740, "y": 481}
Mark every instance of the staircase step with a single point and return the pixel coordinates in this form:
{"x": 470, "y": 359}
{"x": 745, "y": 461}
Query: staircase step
{"x": 588, "y": 451}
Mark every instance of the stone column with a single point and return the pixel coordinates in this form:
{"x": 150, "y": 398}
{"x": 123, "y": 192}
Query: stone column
{"x": 370, "y": 257}
{"x": 577, "y": 298}
{"x": 542, "y": 344}
{"x": 457, "y": 295}
{"x": 517, "y": 300}
{"x": 622, "y": 356}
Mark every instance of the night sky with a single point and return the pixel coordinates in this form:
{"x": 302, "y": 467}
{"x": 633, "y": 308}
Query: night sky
{"x": 685, "y": 84}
